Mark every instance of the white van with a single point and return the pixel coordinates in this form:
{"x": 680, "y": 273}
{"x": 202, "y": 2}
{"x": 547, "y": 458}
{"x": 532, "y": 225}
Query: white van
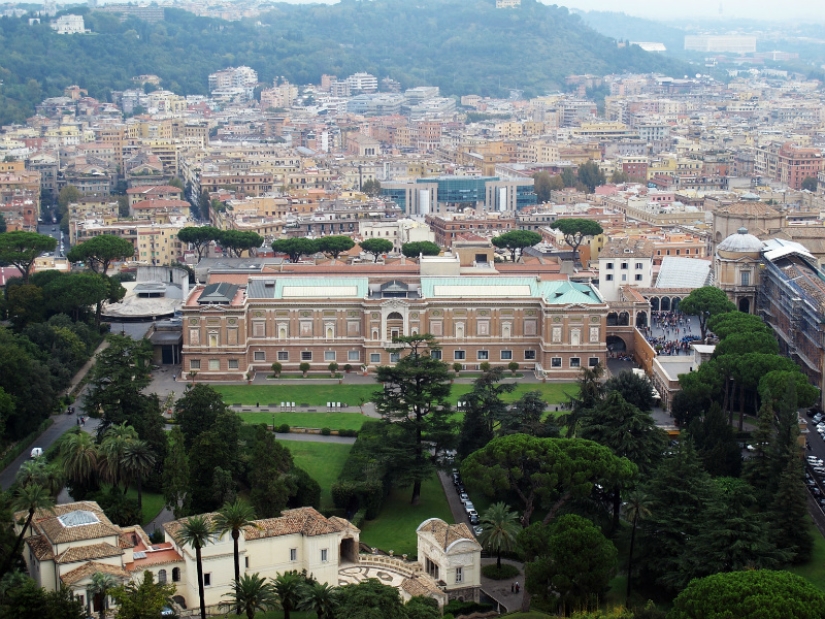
{"x": 36, "y": 452}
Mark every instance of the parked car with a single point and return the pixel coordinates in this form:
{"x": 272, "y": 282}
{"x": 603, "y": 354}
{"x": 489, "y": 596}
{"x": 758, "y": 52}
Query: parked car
{"x": 464, "y": 497}
{"x": 469, "y": 507}
{"x": 36, "y": 453}
{"x": 474, "y": 519}
{"x": 477, "y": 530}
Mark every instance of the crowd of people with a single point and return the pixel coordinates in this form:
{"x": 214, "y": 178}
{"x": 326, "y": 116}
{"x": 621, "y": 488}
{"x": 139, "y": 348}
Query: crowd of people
{"x": 675, "y": 335}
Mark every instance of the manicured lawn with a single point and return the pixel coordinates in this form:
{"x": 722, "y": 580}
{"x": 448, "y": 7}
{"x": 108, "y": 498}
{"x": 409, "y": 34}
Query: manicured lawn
{"x": 814, "y": 570}
{"x": 319, "y": 395}
{"x": 333, "y": 421}
{"x": 323, "y": 462}
{"x": 152, "y": 504}
{"x": 314, "y": 395}
{"x": 394, "y": 529}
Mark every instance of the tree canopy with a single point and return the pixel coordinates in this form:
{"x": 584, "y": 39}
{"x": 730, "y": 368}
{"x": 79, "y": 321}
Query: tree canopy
{"x": 335, "y": 245}
{"x": 590, "y": 175}
{"x": 576, "y": 230}
{"x": 199, "y": 237}
{"x": 705, "y": 303}
{"x": 376, "y": 247}
{"x": 417, "y": 248}
{"x": 516, "y": 240}
{"x": 295, "y": 247}
{"x": 100, "y": 251}
{"x": 22, "y": 248}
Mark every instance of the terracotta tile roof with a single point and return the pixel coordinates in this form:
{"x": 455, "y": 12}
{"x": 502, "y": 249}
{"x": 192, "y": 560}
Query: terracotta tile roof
{"x": 343, "y": 524}
{"x": 304, "y": 520}
{"x": 48, "y": 523}
{"x": 445, "y": 534}
{"x": 93, "y": 567}
{"x": 41, "y": 548}
{"x": 420, "y": 585}
{"x": 88, "y": 553}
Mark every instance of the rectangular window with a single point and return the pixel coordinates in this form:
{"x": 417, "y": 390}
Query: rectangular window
{"x": 375, "y": 357}
{"x": 329, "y": 355}
{"x": 678, "y": 252}
{"x": 609, "y": 277}
{"x": 746, "y": 278}
{"x": 195, "y": 364}
{"x": 624, "y": 277}
{"x": 610, "y": 265}
{"x": 293, "y": 554}
{"x": 459, "y": 574}
{"x": 283, "y": 355}
{"x": 324, "y": 555}
{"x": 435, "y": 354}
{"x": 394, "y": 357}
{"x": 459, "y": 355}
{"x": 246, "y": 562}
{"x": 260, "y": 355}
{"x": 214, "y": 365}
{"x": 624, "y": 265}
{"x": 354, "y": 355}
{"x": 638, "y": 266}
{"x": 506, "y": 355}
{"x": 530, "y": 355}
{"x": 593, "y": 362}
{"x": 575, "y": 362}
{"x": 233, "y": 364}
{"x": 483, "y": 355}
{"x": 555, "y": 362}
{"x": 306, "y": 355}
{"x": 638, "y": 277}
{"x": 207, "y": 580}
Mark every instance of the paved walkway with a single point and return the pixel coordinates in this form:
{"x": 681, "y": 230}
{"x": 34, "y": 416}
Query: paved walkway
{"x": 502, "y": 590}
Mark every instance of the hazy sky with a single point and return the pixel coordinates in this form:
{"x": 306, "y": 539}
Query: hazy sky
{"x": 667, "y": 9}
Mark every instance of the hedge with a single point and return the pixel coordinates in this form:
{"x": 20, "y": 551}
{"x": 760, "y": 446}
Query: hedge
{"x": 351, "y": 492}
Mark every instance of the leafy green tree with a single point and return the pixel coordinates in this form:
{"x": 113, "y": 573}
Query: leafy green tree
{"x": 320, "y": 598}
{"x": 24, "y": 304}
{"x": 499, "y": 527}
{"x": 75, "y": 293}
{"x": 486, "y": 396}
{"x": 21, "y": 249}
{"x": 376, "y": 247}
{"x": 289, "y": 586}
{"x": 705, "y": 303}
{"x": 252, "y": 594}
{"x": 590, "y": 175}
{"x": 420, "y": 248}
{"x": 414, "y": 403}
{"x": 590, "y": 393}
{"x": 579, "y": 564}
{"x": 233, "y": 518}
{"x": 100, "y": 251}
{"x": 526, "y": 415}
{"x": 30, "y": 498}
{"x": 619, "y": 177}
{"x": 295, "y": 247}
{"x": 628, "y": 432}
{"x": 752, "y": 594}
{"x": 68, "y": 195}
{"x": 516, "y": 241}
{"x": 545, "y": 473}
{"x": 142, "y": 599}
{"x": 271, "y": 487}
{"x": 2, "y": 224}
{"x": 743, "y": 343}
{"x": 736, "y": 322}
{"x": 544, "y": 183}
{"x": 239, "y": 241}
{"x": 335, "y": 245}
{"x": 113, "y": 447}
{"x": 576, "y": 230}
{"x": 636, "y": 390}
{"x": 568, "y": 177}
{"x": 773, "y": 387}
{"x": 369, "y": 599}
{"x": 138, "y": 461}
{"x": 80, "y": 456}
{"x": 716, "y": 443}
{"x": 475, "y": 431}
{"x": 731, "y": 537}
{"x": 788, "y": 514}
{"x": 216, "y": 448}
{"x": 197, "y": 410}
{"x": 176, "y": 474}
{"x": 197, "y": 532}
{"x": 371, "y": 187}
{"x": 637, "y": 507}
{"x": 421, "y": 607}
{"x": 199, "y": 237}
{"x": 101, "y": 586}
{"x": 809, "y": 183}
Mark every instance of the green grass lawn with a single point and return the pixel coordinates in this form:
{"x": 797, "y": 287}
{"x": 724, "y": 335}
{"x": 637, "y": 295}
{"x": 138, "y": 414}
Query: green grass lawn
{"x": 394, "y": 529}
{"x": 319, "y": 395}
{"x": 814, "y": 570}
{"x": 152, "y": 504}
{"x": 323, "y": 462}
{"x": 333, "y": 421}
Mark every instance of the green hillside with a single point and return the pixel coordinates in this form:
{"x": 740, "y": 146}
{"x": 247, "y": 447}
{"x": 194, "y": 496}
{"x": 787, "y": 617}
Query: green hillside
{"x": 463, "y": 46}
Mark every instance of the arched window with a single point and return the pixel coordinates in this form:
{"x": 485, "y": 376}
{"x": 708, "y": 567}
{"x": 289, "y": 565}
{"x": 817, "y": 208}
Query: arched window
{"x": 175, "y": 574}
{"x": 162, "y": 577}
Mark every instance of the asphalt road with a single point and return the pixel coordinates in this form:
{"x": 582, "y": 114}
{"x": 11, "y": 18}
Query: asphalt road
{"x": 53, "y": 230}
{"x": 817, "y": 449}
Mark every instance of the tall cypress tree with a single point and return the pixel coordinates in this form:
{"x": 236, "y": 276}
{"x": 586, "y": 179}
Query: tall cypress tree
{"x": 788, "y": 516}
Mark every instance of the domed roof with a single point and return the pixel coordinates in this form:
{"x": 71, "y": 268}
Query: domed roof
{"x": 741, "y": 242}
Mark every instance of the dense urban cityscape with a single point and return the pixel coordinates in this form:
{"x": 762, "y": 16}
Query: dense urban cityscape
{"x": 411, "y": 338}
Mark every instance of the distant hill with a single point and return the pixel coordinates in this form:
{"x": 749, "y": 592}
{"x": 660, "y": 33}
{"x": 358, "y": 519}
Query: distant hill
{"x": 626, "y": 27}
{"x": 463, "y": 46}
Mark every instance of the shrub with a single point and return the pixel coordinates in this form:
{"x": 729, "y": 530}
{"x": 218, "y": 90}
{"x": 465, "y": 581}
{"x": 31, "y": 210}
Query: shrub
{"x": 347, "y": 368}
{"x": 283, "y": 428}
{"x": 347, "y": 432}
{"x": 513, "y": 367}
{"x": 276, "y": 368}
{"x": 358, "y": 518}
{"x": 466, "y": 608}
{"x": 304, "y": 367}
{"x": 485, "y": 367}
{"x": 332, "y": 367}
{"x": 326, "y": 431}
{"x": 457, "y": 367}
{"x": 506, "y": 571}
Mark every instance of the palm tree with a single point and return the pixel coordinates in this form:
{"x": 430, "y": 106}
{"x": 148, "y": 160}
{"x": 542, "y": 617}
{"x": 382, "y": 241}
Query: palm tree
{"x": 288, "y": 588}
{"x": 31, "y": 498}
{"x": 636, "y": 508}
{"x": 319, "y": 598}
{"x": 101, "y": 585}
{"x": 252, "y": 593}
{"x": 112, "y": 448}
{"x": 40, "y": 473}
{"x": 137, "y": 461}
{"x": 196, "y": 532}
{"x": 235, "y": 517}
{"x": 500, "y": 526}
{"x": 80, "y": 456}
